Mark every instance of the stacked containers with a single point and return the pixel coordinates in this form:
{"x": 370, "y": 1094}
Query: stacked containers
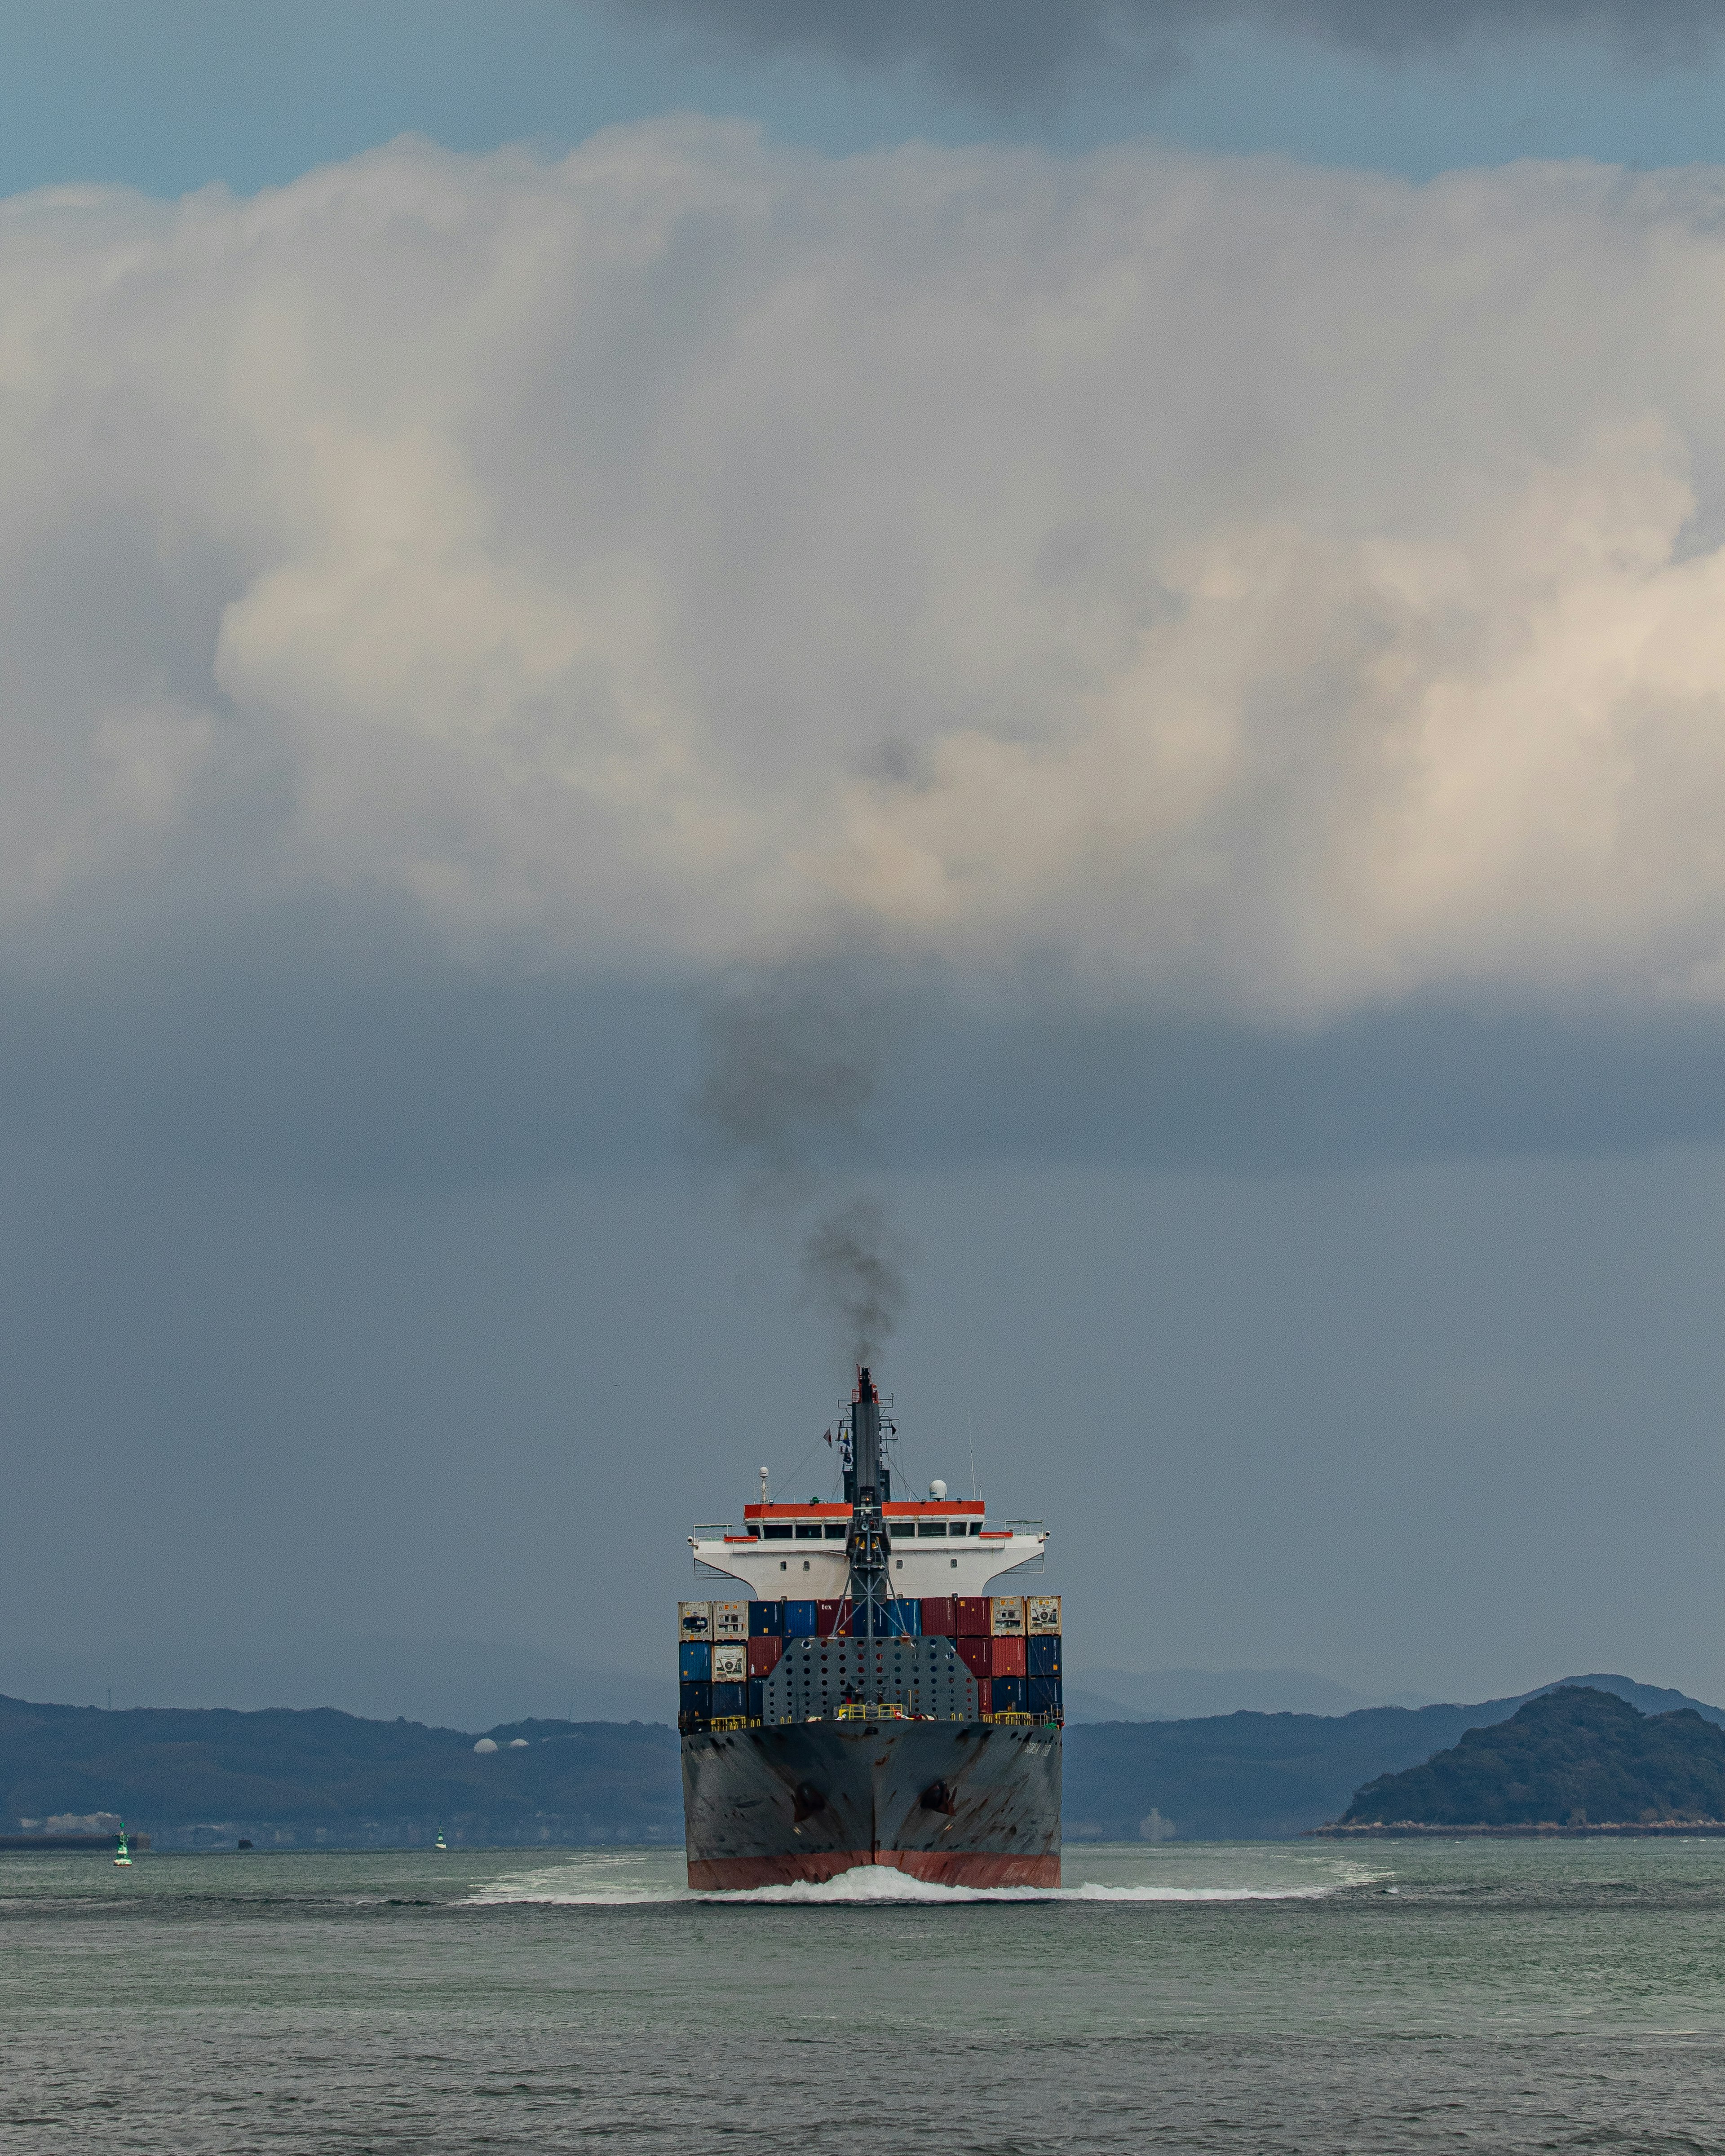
{"x": 829, "y": 1619}
{"x": 730, "y": 1620}
{"x": 694, "y": 1662}
{"x": 695, "y": 1620}
{"x": 802, "y": 1620}
{"x": 1042, "y": 1624}
{"x": 767, "y": 1620}
{"x": 896, "y": 1621}
{"x": 763, "y": 1656}
{"x": 940, "y": 1616}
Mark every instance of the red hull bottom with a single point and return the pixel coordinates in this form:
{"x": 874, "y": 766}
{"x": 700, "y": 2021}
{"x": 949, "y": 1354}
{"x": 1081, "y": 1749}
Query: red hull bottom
{"x": 944, "y": 1868}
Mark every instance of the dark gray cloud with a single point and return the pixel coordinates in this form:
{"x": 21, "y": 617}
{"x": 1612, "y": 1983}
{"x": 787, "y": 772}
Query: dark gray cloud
{"x": 1018, "y": 51}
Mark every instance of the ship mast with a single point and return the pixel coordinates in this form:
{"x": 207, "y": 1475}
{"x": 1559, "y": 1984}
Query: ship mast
{"x": 867, "y": 1546}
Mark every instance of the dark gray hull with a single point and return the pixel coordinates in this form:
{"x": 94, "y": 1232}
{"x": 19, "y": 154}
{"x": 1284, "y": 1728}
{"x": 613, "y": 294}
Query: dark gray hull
{"x": 970, "y": 1803}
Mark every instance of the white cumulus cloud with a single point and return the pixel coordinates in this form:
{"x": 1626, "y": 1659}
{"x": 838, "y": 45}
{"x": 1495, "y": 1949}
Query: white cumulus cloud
{"x": 1227, "y": 585}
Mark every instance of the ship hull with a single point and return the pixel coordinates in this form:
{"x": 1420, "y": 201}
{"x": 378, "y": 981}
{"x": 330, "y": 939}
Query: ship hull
{"x": 962, "y": 1804}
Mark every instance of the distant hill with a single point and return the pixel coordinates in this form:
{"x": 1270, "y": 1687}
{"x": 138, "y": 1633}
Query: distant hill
{"x": 1108, "y": 1695}
{"x": 205, "y": 1777}
{"x": 1574, "y": 1756}
{"x": 1249, "y": 1776}
{"x": 448, "y": 1683}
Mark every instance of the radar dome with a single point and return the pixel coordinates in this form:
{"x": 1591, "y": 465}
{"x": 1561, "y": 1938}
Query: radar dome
{"x": 517, "y": 1744}
{"x": 936, "y": 1491}
{"x": 484, "y": 1744}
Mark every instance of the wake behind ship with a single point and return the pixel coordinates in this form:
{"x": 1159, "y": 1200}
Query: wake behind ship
{"x": 871, "y": 1702}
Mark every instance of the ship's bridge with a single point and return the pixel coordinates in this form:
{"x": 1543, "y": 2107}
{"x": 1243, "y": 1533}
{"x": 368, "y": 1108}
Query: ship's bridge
{"x": 944, "y": 1546}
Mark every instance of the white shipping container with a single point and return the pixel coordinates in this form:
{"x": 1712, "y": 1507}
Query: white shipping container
{"x": 730, "y": 1620}
{"x": 695, "y": 1620}
{"x": 731, "y": 1664}
{"x": 1006, "y": 1616}
{"x": 1042, "y": 1613}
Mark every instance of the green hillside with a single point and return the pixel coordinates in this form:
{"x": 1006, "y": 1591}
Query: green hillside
{"x": 1573, "y": 1758}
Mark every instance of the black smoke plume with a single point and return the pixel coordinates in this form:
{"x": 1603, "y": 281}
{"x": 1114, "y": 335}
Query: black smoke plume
{"x": 794, "y": 1060}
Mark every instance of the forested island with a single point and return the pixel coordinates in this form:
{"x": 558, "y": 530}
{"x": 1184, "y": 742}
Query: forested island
{"x": 1576, "y": 1759}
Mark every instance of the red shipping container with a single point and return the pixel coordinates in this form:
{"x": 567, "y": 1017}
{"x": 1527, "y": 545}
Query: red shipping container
{"x": 984, "y": 1704}
{"x": 974, "y": 1653}
{"x": 763, "y": 1656}
{"x": 1008, "y": 1658}
{"x": 831, "y": 1618}
{"x": 975, "y": 1614}
{"x": 940, "y": 1616}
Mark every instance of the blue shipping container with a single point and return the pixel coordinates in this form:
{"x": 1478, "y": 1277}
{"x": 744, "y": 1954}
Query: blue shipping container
{"x": 694, "y": 1662}
{"x": 1045, "y": 1696}
{"x": 757, "y": 1698}
{"x": 766, "y": 1621}
{"x": 802, "y": 1620}
{"x": 896, "y": 1621}
{"x": 1043, "y": 1651}
{"x": 694, "y": 1698}
{"x": 729, "y": 1699}
{"x": 1008, "y": 1694}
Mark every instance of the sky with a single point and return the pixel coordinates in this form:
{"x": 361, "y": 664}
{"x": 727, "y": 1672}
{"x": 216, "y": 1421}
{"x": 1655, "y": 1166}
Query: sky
{"x": 686, "y": 689}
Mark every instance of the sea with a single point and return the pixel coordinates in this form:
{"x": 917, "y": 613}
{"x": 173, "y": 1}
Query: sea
{"x": 1266, "y": 1997}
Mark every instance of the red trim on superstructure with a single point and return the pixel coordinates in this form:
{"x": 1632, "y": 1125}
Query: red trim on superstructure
{"x": 956, "y": 1867}
{"x": 905, "y": 1510}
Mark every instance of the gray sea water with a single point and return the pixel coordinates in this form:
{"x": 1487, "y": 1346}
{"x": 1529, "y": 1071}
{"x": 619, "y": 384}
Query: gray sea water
{"x": 1238, "y": 1997}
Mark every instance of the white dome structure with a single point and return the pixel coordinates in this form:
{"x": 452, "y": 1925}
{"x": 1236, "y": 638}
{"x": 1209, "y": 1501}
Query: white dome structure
{"x": 485, "y": 1744}
{"x": 517, "y": 1744}
{"x": 936, "y": 1489}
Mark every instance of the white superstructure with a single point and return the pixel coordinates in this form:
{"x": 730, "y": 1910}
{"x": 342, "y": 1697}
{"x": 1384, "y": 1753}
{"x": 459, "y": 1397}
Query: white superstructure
{"x": 943, "y": 1546}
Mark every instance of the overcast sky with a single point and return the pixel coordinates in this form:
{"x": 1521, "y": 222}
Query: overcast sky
{"x": 1077, "y": 651}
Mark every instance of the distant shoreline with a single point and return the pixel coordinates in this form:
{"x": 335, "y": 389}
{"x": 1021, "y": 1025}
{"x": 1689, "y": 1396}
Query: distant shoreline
{"x": 1543, "y": 1830}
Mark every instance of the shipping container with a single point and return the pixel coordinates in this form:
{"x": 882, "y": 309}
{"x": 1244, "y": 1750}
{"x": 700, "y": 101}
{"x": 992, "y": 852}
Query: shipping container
{"x": 758, "y": 1699}
{"x": 1006, "y": 1658}
{"x": 695, "y": 1698}
{"x": 763, "y": 1656}
{"x": 1042, "y": 1613}
{"x": 1006, "y": 1616}
{"x": 830, "y": 1618}
{"x": 975, "y": 1652}
{"x": 766, "y": 1621}
{"x": 1044, "y": 1656}
{"x": 894, "y": 1620}
{"x": 730, "y": 1620}
{"x": 802, "y": 1620}
{"x": 729, "y": 1700}
{"x": 730, "y": 1663}
{"x": 695, "y": 1620}
{"x": 1045, "y": 1696}
{"x": 983, "y": 1692}
{"x": 1008, "y": 1695}
{"x": 972, "y": 1613}
{"x": 940, "y": 1616}
{"x": 694, "y": 1662}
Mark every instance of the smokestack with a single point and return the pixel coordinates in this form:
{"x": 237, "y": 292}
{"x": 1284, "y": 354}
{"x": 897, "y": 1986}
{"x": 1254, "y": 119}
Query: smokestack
{"x": 865, "y": 1437}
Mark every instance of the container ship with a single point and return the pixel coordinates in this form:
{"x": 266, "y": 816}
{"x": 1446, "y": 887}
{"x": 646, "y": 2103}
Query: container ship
{"x": 868, "y": 1701}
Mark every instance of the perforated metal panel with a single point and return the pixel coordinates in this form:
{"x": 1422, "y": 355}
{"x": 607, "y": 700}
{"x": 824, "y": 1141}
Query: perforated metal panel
{"x": 816, "y": 1677}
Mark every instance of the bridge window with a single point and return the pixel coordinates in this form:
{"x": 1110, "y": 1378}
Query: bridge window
{"x": 835, "y": 1534}
{"x": 777, "y": 1534}
{"x": 809, "y": 1534}
{"x": 933, "y": 1528}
